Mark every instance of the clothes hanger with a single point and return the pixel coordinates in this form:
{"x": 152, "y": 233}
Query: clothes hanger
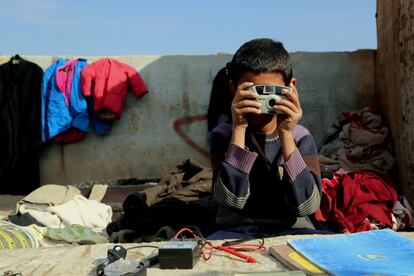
{"x": 16, "y": 59}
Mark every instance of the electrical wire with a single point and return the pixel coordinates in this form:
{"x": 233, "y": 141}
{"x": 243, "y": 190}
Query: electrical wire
{"x": 194, "y": 233}
{"x": 143, "y": 246}
{"x": 248, "y": 247}
{"x": 227, "y": 243}
{"x": 232, "y": 247}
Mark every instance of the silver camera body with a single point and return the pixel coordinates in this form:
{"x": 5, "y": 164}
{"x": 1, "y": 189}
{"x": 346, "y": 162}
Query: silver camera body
{"x": 268, "y": 94}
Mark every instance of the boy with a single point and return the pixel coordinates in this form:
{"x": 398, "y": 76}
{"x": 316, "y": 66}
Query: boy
{"x": 266, "y": 175}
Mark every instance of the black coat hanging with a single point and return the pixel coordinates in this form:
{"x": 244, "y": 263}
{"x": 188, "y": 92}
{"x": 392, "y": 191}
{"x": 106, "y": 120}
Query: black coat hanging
{"x": 20, "y": 125}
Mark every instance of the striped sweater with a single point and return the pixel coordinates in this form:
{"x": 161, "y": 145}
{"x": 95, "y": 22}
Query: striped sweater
{"x": 250, "y": 190}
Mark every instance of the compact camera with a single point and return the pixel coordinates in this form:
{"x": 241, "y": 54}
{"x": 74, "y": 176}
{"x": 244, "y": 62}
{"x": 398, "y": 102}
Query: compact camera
{"x": 268, "y": 94}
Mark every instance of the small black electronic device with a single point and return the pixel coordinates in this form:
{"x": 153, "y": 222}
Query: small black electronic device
{"x": 181, "y": 254}
{"x": 113, "y": 255}
{"x": 119, "y": 252}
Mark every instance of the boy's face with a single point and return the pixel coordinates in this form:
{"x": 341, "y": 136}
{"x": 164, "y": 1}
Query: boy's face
{"x": 258, "y": 121}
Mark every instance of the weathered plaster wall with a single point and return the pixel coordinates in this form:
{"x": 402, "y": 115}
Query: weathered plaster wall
{"x": 395, "y": 82}
{"x": 150, "y": 139}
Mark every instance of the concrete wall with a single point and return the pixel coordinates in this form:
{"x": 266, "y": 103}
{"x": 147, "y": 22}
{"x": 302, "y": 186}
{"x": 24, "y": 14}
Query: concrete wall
{"x": 150, "y": 139}
{"x": 395, "y": 81}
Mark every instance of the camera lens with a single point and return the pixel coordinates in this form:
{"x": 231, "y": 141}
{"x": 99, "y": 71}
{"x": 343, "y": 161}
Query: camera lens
{"x": 272, "y": 102}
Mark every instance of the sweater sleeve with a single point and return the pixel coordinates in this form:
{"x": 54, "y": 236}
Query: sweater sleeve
{"x": 302, "y": 177}
{"x": 231, "y": 187}
{"x": 137, "y": 84}
{"x": 87, "y": 76}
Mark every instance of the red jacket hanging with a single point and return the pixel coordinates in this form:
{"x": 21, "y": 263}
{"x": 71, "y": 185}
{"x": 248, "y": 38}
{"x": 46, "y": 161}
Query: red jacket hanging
{"x": 107, "y": 80}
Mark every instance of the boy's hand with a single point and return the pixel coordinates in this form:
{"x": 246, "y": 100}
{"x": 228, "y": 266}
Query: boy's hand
{"x": 293, "y": 112}
{"x": 244, "y": 102}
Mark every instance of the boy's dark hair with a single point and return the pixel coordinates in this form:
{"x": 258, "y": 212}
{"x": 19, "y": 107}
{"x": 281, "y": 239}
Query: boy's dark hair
{"x": 259, "y": 56}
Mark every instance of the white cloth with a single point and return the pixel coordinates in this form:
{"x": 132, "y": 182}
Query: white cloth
{"x": 78, "y": 210}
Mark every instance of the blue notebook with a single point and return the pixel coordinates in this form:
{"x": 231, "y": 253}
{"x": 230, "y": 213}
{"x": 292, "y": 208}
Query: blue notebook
{"x": 383, "y": 252}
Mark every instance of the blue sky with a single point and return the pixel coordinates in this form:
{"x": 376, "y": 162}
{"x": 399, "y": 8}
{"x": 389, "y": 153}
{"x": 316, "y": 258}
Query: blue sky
{"x": 193, "y": 27}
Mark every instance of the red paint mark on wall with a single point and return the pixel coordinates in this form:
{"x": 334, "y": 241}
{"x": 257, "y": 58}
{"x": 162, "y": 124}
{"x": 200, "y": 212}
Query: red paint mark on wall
{"x": 186, "y": 121}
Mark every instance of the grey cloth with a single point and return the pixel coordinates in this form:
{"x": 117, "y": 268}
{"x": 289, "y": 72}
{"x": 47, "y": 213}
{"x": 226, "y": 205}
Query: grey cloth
{"x": 24, "y": 220}
{"x": 357, "y": 141}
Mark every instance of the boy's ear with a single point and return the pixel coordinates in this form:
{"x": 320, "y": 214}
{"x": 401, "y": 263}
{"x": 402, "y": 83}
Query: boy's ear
{"x": 294, "y": 82}
{"x": 232, "y": 87}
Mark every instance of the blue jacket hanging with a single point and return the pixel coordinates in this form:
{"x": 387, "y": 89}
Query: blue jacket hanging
{"x": 64, "y": 108}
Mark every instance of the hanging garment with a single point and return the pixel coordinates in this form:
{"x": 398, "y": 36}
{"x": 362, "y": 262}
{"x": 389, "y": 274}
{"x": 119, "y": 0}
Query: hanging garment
{"x": 64, "y": 109}
{"x": 53, "y": 102}
{"x": 68, "y": 82}
{"x": 107, "y": 80}
{"x": 101, "y": 127}
{"x": 20, "y": 125}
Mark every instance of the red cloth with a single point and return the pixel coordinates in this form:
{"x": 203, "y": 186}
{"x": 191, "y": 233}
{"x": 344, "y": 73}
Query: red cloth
{"x": 70, "y": 136}
{"x": 353, "y": 201}
{"x": 107, "y": 81}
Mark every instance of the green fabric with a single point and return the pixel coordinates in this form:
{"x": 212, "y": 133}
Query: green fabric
{"x": 75, "y": 233}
